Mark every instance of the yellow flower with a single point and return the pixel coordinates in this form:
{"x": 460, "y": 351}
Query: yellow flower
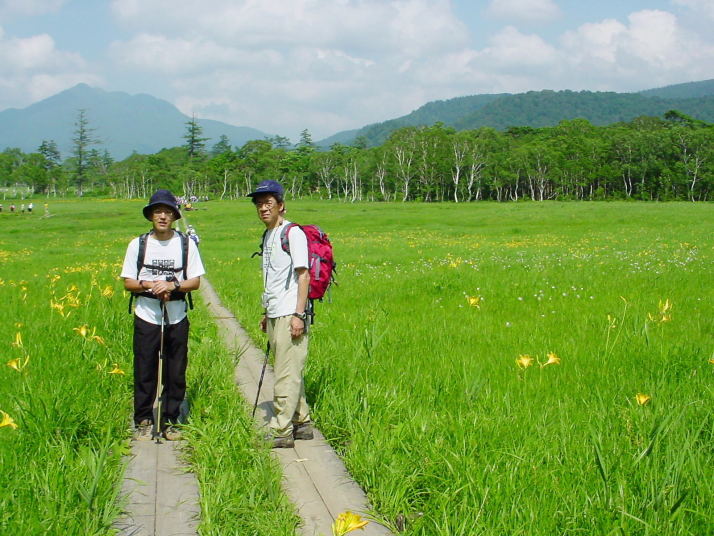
{"x": 98, "y": 339}
{"x": 18, "y": 363}
{"x": 347, "y": 522}
{"x": 116, "y": 370}
{"x": 18, "y": 340}
{"x": 711, "y": 360}
{"x": 7, "y": 421}
{"x": 643, "y": 399}
{"x": 474, "y": 301}
{"x": 612, "y": 322}
{"x": 82, "y": 330}
{"x": 664, "y": 307}
{"x": 553, "y": 359}
{"x": 524, "y": 361}
{"x": 108, "y": 292}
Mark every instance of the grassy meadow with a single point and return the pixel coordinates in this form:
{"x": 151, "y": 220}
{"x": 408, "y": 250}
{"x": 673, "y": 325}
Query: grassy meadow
{"x": 521, "y": 369}
{"x": 484, "y": 369}
{"x": 66, "y": 386}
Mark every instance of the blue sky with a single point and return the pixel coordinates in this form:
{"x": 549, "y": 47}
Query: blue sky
{"x": 330, "y": 65}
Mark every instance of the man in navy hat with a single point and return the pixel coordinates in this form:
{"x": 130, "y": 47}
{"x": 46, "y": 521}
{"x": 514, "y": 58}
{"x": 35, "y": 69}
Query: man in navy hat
{"x": 160, "y": 267}
{"x": 287, "y": 282}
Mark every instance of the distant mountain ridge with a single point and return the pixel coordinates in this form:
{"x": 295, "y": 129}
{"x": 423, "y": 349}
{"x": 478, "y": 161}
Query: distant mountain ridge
{"x": 123, "y": 123}
{"x": 543, "y": 108}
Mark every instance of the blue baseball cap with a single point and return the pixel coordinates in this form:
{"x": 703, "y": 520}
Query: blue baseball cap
{"x": 268, "y": 187}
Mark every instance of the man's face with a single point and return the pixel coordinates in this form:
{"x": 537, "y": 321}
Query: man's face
{"x": 162, "y": 216}
{"x": 268, "y": 209}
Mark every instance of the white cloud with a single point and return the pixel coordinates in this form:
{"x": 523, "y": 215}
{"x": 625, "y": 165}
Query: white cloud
{"x": 32, "y": 69}
{"x": 705, "y": 7}
{"x": 525, "y": 10}
{"x": 10, "y": 8}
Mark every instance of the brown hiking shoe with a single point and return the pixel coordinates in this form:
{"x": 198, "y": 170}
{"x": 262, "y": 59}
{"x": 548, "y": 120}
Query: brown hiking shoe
{"x": 172, "y": 433}
{"x": 277, "y": 442}
{"x": 142, "y": 431}
{"x": 303, "y": 431}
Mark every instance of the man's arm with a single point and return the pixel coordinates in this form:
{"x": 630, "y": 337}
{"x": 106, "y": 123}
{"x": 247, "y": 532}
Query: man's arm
{"x": 297, "y": 326}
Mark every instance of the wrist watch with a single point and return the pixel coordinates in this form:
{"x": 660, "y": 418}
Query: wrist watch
{"x": 177, "y": 285}
{"x": 301, "y": 316}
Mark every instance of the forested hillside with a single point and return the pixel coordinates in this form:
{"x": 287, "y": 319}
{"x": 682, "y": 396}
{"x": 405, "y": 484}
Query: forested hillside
{"x": 648, "y": 158}
{"x": 543, "y": 108}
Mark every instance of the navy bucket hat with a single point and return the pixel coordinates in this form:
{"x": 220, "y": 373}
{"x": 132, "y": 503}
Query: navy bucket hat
{"x": 162, "y": 197}
{"x": 268, "y": 187}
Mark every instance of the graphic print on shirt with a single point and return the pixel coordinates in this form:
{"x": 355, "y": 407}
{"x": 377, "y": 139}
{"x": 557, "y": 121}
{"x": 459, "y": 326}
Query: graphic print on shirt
{"x": 162, "y": 267}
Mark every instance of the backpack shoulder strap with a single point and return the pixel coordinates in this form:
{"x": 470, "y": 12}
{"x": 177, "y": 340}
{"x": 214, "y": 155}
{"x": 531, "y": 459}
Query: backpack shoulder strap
{"x": 284, "y": 241}
{"x": 184, "y": 252}
{"x": 262, "y": 242}
{"x": 141, "y": 253}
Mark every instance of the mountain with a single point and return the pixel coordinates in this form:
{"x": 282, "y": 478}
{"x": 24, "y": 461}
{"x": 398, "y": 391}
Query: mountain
{"x": 123, "y": 123}
{"x": 446, "y": 111}
{"x": 689, "y": 90}
{"x": 544, "y": 108}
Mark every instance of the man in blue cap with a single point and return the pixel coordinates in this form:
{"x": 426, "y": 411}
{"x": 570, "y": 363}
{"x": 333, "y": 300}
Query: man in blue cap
{"x": 287, "y": 282}
{"x": 159, "y": 268}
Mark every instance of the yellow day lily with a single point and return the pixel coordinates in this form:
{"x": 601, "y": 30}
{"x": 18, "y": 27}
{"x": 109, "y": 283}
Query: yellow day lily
{"x": 474, "y": 301}
{"x": 98, "y": 339}
{"x": 711, "y": 360}
{"x": 116, "y": 370}
{"x": 643, "y": 399}
{"x": 524, "y": 361}
{"x": 7, "y": 421}
{"x": 347, "y": 522}
{"x": 18, "y": 340}
{"x": 82, "y": 330}
{"x": 664, "y": 307}
{"x": 553, "y": 359}
{"x": 108, "y": 292}
{"x": 18, "y": 363}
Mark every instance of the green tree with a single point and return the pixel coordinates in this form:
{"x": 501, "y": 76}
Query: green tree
{"x": 82, "y": 140}
{"x": 195, "y": 142}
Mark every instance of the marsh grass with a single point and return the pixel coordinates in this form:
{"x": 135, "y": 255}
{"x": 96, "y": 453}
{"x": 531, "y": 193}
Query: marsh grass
{"x": 420, "y": 391}
{"x": 70, "y": 391}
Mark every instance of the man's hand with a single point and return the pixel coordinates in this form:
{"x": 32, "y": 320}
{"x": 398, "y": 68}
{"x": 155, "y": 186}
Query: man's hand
{"x": 162, "y": 289}
{"x": 264, "y": 324}
{"x": 297, "y": 327}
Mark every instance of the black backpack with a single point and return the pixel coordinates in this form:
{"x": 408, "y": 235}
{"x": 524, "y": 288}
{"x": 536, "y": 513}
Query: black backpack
{"x": 141, "y": 257}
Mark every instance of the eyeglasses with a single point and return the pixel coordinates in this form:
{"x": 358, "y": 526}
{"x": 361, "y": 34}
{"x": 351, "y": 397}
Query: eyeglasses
{"x": 159, "y": 211}
{"x": 266, "y": 204}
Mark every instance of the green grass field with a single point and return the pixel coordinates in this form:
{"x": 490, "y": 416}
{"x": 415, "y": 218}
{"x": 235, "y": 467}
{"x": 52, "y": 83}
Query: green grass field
{"x": 427, "y": 371}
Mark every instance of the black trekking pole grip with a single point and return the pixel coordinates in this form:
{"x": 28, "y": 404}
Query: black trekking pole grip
{"x": 262, "y": 375}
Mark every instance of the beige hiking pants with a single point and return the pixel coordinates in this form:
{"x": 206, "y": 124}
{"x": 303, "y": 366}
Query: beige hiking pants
{"x": 289, "y": 404}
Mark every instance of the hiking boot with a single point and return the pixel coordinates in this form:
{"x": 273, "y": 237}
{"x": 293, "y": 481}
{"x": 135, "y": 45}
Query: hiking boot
{"x": 277, "y": 442}
{"x": 142, "y": 431}
{"x": 303, "y": 431}
{"x": 172, "y": 433}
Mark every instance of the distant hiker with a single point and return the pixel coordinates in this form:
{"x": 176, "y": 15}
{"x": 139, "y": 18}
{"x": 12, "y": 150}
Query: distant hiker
{"x": 287, "y": 281}
{"x": 30, "y": 207}
{"x": 12, "y": 207}
{"x": 160, "y": 267}
{"x": 47, "y": 209}
{"x": 191, "y": 232}
{"x": 22, "y": 208}
{"x": 0, "y": 207}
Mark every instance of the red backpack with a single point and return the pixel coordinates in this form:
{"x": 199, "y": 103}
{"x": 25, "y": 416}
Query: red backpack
{"x": 322, "y": 267}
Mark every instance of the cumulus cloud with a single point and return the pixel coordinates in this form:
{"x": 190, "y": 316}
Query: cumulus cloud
{"x": 319, "y": 59}
{"x": 651, "y": 49}
{"x": 32, "y": 69}
{"x": 525, "y": 10}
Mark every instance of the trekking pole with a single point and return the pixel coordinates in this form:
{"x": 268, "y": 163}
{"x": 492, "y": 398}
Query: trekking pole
{"x": 260, "y": 383}
{"x": 159, "y": 377}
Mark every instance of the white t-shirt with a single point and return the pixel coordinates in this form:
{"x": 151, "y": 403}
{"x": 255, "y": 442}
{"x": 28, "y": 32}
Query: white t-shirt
{"x": 166, "y": 254}
{"x": 279, "y": 270}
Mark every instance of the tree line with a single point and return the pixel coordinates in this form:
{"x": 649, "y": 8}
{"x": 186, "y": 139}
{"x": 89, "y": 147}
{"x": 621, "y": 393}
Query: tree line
{"x": 649, "y": 158}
